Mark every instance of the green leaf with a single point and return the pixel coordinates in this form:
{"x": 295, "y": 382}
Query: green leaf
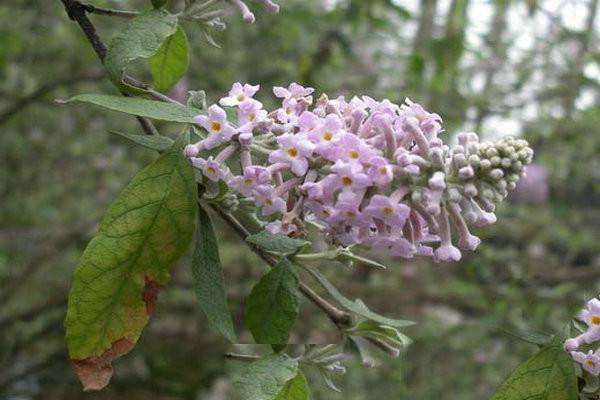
{"x": 208, "y": 278}
{"x": 265, "y": 378}
{"x": 356, "y": 306}
{"x": 276, "y": 242}
{"x": 140, "y": 38}
{"x": 141, "y": 107}
{"x": 272, "y": 306}
{"x": 171, "y": 61}
{"x": 159, "y": 143}
{"x": 295, "y": 389}
{"x": 116, "y": 284}
{"x": 548, "y": 375}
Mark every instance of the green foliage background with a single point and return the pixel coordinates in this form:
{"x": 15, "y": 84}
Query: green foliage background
{"x": 60, "y": 169}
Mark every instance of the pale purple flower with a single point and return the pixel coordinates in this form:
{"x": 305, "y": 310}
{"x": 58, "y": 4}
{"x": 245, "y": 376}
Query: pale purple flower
{"x": 350, "y": 176}
{"x": 403, "y": 248}
{"x": 216, "y": 125}
{"x": 294, "y": 90}
{"x": 267, "y": 198}
{"x": 380, "y": 171}
{"x": 391, "y": 213}
{"x": 446, "y": 253}
{"x": 351, "y": 148}
{"x": 295, "y": 151}
{"x": 347, "y": 212}
{"x": 325, "y": 136}
{"x": 250, "y": 112}
{"x": 430, "y": 123}
{"x": 321, "y": 212}
{"x": 589, "y": 361}
{"x": 253, "y": 177}
{"x": 210, "y": 168}
{"x": 591, "y": 316}
{"x": 279, "y": 227}
{"x": 238, "y": 94}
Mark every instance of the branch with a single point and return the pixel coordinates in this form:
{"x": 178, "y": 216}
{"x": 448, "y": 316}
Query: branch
{"x": 340, "y": 318}
{"x": 109, "y": 11}
{"x": 77, "y": 11}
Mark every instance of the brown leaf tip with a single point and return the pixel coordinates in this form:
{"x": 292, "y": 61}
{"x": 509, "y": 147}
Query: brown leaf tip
{"x": 150, "y": 295}
{"x": 95, "y": 372}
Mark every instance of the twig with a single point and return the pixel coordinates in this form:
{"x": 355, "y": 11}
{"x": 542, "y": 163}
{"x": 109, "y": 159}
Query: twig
{"x": 77, "y": 11}
{"x": 340, "y": 318}
{"x": 109, "y": 11}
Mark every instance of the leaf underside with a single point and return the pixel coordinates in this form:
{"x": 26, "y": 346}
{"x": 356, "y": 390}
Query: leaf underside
{"x": 276, "y": 242}
{"x": 140, "y": 38}
{"x": 115, "y": 286}
{"x": 295, "y": 389}
{"x": 265, "y": 378}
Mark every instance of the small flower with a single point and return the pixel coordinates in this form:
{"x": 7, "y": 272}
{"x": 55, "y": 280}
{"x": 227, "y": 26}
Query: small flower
{"x": 589, "y": 361}
{"x": 238, "y": 94}
{"x": 382, "y": 208}
{"x": 252, "y": 178}
{"x": 380, "y": 171}
{"x": 325, "y": 135}
{"x": 591, "y": 316}
{"x": 351, "y": 148}
{"x": 350, "y": 176}
{"x": 250, "y": 112}
{"x": 267, "y": 198}
{"x": 293, "y": 91}
{"x": 210, "y": 168}
{"x": 216, "y": 125}
{"x": 295, "y": 151}
{"x": 446, "y": 253}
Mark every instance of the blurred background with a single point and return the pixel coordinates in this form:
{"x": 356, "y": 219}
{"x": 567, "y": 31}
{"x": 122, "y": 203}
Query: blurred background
{"x": 505, "y": 67}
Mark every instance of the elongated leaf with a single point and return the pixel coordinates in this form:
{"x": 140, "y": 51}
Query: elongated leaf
{"x": 356, "y": 306}
{"x": 171, "y": 61}
{"x": 141, "y": 107}
{"x": 538, "y": 338}
{"x": 265, "y": 378}
{"x": 116, "y": 284}
{"x": 295, "y": 389}
{"x": 159, "y": 143}
{"x": 208, "y": 278}
{"x": 141, "y": 37}
{"x": 276, "y": 242}
{"x": 272, "y": 306}
{"x": 548, "y": 375}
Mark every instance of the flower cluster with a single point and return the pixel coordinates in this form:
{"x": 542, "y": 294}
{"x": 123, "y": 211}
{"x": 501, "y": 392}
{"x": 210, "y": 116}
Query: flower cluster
{"x": 590, "y": 361}
{"x": 363, "y": 171}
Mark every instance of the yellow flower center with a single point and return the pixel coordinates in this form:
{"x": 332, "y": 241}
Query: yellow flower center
{"x": 288, "y": 111}
{"x": 211, "y": 170}
{"x": 354, "y": 155}
{"x": 292, "y": 152}
{"x": 269, "y": 202}
{"x": 215, "y": 126}
{"x": 350, "y": 214}
{"x": 248, "y": 182}
{"x": 328, "y": 135}
{"x": 240, "y": 97}
{"x": 325, "y": 213}
{"x": 383, "y": 171}
{"x": 591, "y": 364}
{"x": 347, "y": 181}
{"x": 252, "y": 116}
{"x": 595, "y": 319}
{"x": 387, "y": 211}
